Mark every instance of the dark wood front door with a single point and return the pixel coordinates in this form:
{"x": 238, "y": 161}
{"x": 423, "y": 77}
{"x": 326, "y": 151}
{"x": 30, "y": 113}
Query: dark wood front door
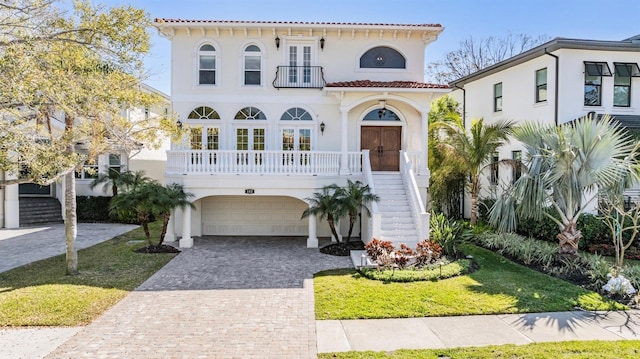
{"x": 383, "y": 143}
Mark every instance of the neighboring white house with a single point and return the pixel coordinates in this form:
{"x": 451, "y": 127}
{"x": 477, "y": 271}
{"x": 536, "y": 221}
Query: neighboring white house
{"x": 556, "y": 82}
{"x": 48, "y": 200}
{"x": 277, "y": 110}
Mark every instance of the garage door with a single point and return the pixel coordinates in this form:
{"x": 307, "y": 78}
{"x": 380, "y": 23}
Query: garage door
{"x": 253, "y": 216}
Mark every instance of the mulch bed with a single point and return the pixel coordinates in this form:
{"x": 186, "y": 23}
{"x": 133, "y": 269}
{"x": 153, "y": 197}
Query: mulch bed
{"x": 163, "y": 248}
{"x": 342, "y": 249}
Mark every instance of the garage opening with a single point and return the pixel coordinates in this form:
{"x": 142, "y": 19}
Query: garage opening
{"x": 253, "y": 216}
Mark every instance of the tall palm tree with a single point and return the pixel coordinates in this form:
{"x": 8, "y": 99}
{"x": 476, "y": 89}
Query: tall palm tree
{"x": 565, "y": 167}
{"x": 327, "y": 204}
{"x": 354, "y": 197}
{"x": 473, "y": 149}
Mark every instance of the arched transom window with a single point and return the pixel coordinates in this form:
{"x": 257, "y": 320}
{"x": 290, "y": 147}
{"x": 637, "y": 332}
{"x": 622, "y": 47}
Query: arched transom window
{"x": 296, "y": 114}
{"x": 381, "y": 114}
{"x": 382, "y": 57}
{"x": 207, "y": 65}
{"x": 204, "y": 113}
{"x": 250, "y": 113}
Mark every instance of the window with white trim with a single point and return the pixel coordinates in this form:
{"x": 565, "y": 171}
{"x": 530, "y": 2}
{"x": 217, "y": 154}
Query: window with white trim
{"x": 497, "y": 97}
{"x": 252, "y": 65}
{"x": 207, "y": 65}
{"x": 204, "y": 134}
{"x": 541, "y": 85}
{"x": 296, "y": 129}
{"x": 250, "y": 135}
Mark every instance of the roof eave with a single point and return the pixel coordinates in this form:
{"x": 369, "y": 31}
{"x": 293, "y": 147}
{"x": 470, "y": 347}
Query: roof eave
{"x": 551, "y": 46}
{"x": 385, "y": 89}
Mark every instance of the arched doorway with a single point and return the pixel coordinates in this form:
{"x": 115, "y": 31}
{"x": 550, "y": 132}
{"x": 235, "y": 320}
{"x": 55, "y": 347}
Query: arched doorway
{"x": 383, "y": 138}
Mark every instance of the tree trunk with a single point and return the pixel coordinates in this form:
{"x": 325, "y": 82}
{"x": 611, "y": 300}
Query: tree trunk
{"x": 474, "y": 201}
{"x": 332, "y": 226}
{"x": 144, "y": 222}
{"x": 70, "y": 222}
{"x": 352, "y": 222}
{"x": 165, "y": 223}
{"x": 569, "y": 237}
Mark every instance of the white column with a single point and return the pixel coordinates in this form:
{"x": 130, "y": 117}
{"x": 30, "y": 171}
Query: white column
{"x": 170, "y": 236}
{"x": 424, "y": 160}
{"x": 344, "y": 142}
{"x": 11, "y": 207}
{"x": 186, "y": 241}
{"x": 312, "y": 241}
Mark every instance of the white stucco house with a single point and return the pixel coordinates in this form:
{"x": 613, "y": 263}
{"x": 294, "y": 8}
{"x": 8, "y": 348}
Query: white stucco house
{"x": 277, "y": 110}
{"x": 29, "y": 203}
{"x": 556, "y": 82}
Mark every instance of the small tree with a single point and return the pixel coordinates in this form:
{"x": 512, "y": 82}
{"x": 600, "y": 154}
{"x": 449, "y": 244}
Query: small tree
{"x": 354, "y": 197}
{"x": 327, "y": 204}
{"x": 119, "y": 180}
{"x": 152, "y": 199}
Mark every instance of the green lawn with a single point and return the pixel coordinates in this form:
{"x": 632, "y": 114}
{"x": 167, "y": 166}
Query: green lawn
{"x": 499, "y": 286}
{"x": 574, "y": 350}
{"x": 40, "y": 294}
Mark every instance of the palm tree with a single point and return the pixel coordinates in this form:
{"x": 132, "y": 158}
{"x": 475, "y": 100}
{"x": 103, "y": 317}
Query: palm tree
{"x": 472, "y": 151}
{"x": 327, "y": 204}
{"x": 116, "y": 179}
{"x": 166, "y": 199}
{"x": 565, "y": 166}
{"x": 152, "y": 199}
{"x": 355, "y": 197}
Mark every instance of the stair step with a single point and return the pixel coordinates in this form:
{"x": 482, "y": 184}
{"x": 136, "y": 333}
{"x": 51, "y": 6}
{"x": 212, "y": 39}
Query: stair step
{"x": 39, "y": 210}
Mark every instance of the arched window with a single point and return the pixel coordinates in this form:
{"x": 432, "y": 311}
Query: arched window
{"x": 252, "y": 65}
{"x": 381, "y": 114}
{"x": 250, "y": 113}
{"x": 203, "y": 113}
{"x": 296, "y": 114}
{"x": 204, "y": 136}
{"x": 207, "y": 65}
{"x": 382, "y": 57}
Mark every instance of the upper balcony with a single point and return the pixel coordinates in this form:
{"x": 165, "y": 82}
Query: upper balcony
{"x": 311, "y": 77}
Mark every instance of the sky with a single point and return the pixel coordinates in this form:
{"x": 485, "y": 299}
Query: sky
{"x": 461, "y": 19}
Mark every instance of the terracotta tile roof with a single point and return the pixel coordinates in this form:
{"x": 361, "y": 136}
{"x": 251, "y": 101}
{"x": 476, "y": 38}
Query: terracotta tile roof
{"x": 226, "y": 22}
{"x": 390, "y": 84}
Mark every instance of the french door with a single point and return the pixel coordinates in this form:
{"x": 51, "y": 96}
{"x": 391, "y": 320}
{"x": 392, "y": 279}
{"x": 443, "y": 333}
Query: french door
{"x": 384, "y": 144}
{"x": 300, "y": 58}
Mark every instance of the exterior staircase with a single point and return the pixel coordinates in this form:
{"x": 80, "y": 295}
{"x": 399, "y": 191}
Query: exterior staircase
{"x": 39, "y": 210}
{"x": 398, "y": 225}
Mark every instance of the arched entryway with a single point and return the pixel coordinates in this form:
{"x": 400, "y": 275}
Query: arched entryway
{"x": 381, "y": 134}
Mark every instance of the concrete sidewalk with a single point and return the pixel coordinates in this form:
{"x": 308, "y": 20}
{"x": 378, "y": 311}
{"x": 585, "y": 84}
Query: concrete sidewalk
{"x": 476, "y": 330}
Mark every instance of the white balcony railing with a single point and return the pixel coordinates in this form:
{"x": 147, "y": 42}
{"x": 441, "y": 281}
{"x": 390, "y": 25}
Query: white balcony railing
{"x": 260, "y": 162}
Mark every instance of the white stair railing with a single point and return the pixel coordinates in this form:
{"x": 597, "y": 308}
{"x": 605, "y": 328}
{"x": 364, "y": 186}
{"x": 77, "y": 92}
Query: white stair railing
{"x": 420, "y": 216}
{"x": 372, "y": 226}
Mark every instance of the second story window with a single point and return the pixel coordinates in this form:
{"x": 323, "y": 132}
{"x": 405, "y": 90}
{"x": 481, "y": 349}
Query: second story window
{"x": 497, "y": 97}
{"x": 593, "y": 72}
{"x": 541, "y": 85}
{"x": 252, "y": 65}
{"x": 382, "y": 57}
{"x": 207, "y": 65}
{"x": 622, "y": 84}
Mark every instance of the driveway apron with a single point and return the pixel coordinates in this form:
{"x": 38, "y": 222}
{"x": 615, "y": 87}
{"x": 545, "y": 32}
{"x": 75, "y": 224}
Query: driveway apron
{"x": 228, "y": 297}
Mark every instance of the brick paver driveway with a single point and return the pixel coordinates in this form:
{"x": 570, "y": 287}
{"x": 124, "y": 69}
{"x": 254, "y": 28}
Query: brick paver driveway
{"x": 225, "y": 298}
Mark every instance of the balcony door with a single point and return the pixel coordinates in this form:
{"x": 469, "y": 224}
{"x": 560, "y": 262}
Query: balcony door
{"x": 384, "y": 144}
{"x": 300, "y": 61}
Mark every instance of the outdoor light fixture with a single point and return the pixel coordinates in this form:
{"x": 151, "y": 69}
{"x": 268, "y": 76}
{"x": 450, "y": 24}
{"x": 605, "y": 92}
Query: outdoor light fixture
{"x": 383, "y": 111}
{"x": 179, "y": 123}
{"x": 322, "y": 126}
{"x": 277, "y": 42}
{"x": 322, "y": 40}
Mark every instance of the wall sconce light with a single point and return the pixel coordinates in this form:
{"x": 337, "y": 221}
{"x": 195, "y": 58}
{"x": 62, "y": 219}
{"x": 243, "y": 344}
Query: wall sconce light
{"x": 179, "y": 123}
{"x": 322, "y": 127}
{"x": 322, "y": 40}
{"x": 383, "y": 111}
{"x": 277, "y": 42}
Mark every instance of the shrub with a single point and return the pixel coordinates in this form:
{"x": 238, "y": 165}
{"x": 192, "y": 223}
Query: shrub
{"x": 377, "y": 248}
{"x": 427, "y": 252}
{"x": 484, "y": 206}
{"x": 449, "y": 234}
{"x": 93, "y": 209}
{"x": 403, "y": 255}
{"x": 594, "y": 231}
{"x": 433, "y": 272}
